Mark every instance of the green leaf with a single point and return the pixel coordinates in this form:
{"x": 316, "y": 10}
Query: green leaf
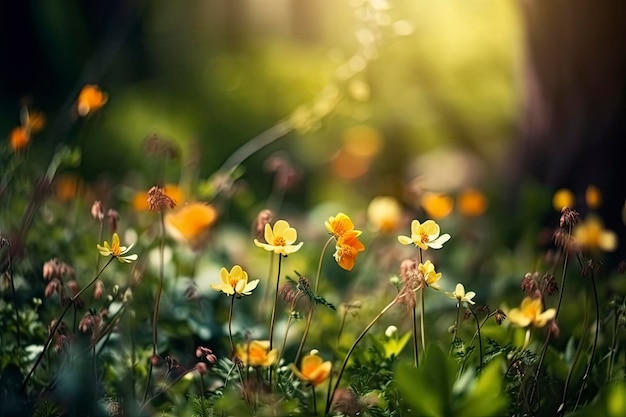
{"x": 427, "y": 389}
{"x": 486, "y": 397}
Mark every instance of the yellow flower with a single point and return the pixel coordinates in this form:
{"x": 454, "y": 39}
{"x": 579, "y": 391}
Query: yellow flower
{"x": 280, "y": 239}
{"x": 384, "y": 214}
{"x": 472, "y": 203}
{"x": 90, "y": 99}
{"x": 190, "y": 223}
{"x": 460, "y": 295}
{"x": 116, "y": 250}
{"x": 591, "y": 235}
{"x": 313, "y": 370}
{"x": 430, "y": 275}
{"x": 425, "y": 235}
{"x": 235, "y": 282}
{"x": 563, "y": 198}
{"x": 339, "y": 224}
{"x": 257, "y": 353}
{"x": 347, "y": 248}
{"x": 531, "y": 312}
{"x": 437, "y": 205}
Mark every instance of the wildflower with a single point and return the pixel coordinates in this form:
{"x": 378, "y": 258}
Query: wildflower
{"x": 67, "y": 186}
{"x": 19, "y": 138}
{"x": 384, "y": 214}
{"x": 347, "y": 249}
{"x": 116, "y": 250}
{"x": 531, "y": 312}
{"x": 471, "y": 203}
{"x": 591, "y": 235}
{"x": 425, "y": 235}
{"x": 499, "y": 316}
{"x": 593, "y": 197}
{"x": 313, "y": 370}
{"x": 190, "y": 223}
{"x": 235, "y": 282}
{"x": 257, "y": 353}
{"x": 338, "y": 225}
{"x": 113, "y": 218}
{"x": 280, "y": 238}
{"x": 430, "y": 275}
{"x": 90, "y": 99}
{"x": 437, "y": 205}
{"x": 563, "y": 198}
{"x": 158, "y": 200}
{"x": 460, "y": 295}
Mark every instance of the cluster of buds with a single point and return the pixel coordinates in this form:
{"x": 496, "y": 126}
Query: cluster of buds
{"x": 56, "y": 272}
{"x": 535, "y": 285}
{"x": 112, "y": 216}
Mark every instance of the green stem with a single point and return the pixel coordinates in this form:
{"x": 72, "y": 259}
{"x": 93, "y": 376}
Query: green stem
{"x": 356, "y": 342}
{"x": 309, "y": 318}
{"x": 314, "y": 400}
{"x": 595, "y": 337}
{"x": 273, "y": 320}
{"x": 415, "y": 342}
{"x": 59, "y": 321}
{"x": 157, "y": 303}
{"x": 456, "y": 327}
{"x": 230, "y": 321}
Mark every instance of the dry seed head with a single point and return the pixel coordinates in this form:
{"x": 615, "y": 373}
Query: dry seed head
{"x": 549, "y": 284}
{"x": 264, "y": 217}
{"x": 97, "y": 210}
{"x": 158, "y": 200}
{"x": 569, "y": 217}
{"x": 113, "y": 218}
{"x": 499, "y": 316}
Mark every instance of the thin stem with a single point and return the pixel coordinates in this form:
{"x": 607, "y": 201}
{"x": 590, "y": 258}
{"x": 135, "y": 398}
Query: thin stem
{"x": 309, "y": 318}
{"x": 456, "y": 327}
{"x": 273, "y": 320}
{"x": 579, "y": 350}
{"x": 356, "y": 342}
{"x": 556, "y": 315}
{"x": 613, "y": 347}
{"x": 314, "y": 400}
{"x": 9, "y": 271}
{"x": 422, "y": 309}
{"x": 255, "y": 144}
{"x": 59, "y": 321}
{"x": 280, "y": 257}
{"x": 415, "y": 342}
{"x": 230, "y": 321}
{"x": 480, "y": 340}
{"x": 595, "y": 338}
{"x": 157, "y": 302}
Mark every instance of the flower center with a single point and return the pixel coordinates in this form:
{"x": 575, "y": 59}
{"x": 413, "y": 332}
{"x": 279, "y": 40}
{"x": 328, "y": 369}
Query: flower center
{"x": 424, "y": 237}
{"x": 115, "y": 249}
{"x": 279, "y": 241}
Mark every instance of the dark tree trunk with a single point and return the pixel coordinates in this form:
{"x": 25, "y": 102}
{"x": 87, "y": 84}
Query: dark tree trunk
{"x": 573, "y": 128}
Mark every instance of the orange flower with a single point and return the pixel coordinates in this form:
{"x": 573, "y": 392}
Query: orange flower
{"x": 19, "y": 138}
{"x": 472, "y": 203}
{"x": 90, "y": 99}
{"x": 190, "y": 223}
{"x": 339, "y": 224}
{"x": 347, "y": 248}
{"x": 313, "y": 370}
{"x": 437, "y": 205}
{"x": 563, "y": 198}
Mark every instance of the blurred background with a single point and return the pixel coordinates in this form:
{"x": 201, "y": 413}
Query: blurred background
{"x": 514, "y": 98}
